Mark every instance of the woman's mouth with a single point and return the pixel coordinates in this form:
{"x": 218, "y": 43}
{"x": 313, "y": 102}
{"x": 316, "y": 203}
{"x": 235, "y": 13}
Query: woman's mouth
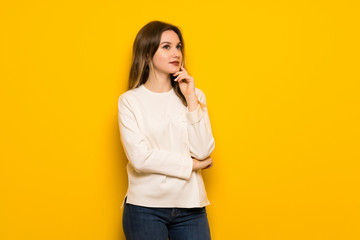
{"x": 175, "y": 63}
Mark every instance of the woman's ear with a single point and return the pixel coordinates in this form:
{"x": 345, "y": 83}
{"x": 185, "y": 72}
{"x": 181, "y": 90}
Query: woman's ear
{"x": 150, "y": 63}
{"x": 148, "y": 59}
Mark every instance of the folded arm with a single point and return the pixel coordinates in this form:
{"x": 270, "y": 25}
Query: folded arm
{"x": 141, "y": 155}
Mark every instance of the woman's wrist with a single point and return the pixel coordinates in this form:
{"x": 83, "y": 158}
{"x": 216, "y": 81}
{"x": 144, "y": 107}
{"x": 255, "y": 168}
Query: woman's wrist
{"x": 192, "y": 103}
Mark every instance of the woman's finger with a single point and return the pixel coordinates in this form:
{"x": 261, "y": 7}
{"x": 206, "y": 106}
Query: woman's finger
{"x": 177, "y": 73}
{"x": 181, "y": 76}
{"x": 209, "y": 166}
{"x": 184, "y": 79}
{"x": 181, "y": 67}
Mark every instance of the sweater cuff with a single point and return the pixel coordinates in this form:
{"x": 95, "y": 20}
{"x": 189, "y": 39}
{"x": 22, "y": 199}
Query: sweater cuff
{"x": 194, "y": 116}
{"x": 187, "y": 168}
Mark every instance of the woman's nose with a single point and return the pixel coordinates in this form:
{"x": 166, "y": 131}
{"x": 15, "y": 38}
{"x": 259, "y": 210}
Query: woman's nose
{"x": 176, "y": 53}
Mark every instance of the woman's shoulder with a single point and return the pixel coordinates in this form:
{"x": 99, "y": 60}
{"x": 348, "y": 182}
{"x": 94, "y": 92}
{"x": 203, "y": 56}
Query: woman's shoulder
{"x": 129, "y": 99}
{"x": 129, "y": 94}
{"x": 200, "y": 95}
{"x": 198, "y": 91}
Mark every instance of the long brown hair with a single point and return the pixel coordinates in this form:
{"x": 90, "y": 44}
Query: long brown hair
{"x": 145, "y": 45}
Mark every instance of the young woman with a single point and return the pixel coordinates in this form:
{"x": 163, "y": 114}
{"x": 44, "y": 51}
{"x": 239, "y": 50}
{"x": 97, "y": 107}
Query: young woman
{"x": 166, "y": 134}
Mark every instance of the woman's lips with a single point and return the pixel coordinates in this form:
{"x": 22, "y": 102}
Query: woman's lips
{"x": 175, "y": 63}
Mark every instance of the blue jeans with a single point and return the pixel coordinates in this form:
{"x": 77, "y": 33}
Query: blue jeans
{"x": 148, "y": 223}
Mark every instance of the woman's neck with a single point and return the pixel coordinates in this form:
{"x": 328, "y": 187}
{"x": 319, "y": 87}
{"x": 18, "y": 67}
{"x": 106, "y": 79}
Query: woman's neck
{"x": 158, "y": 82}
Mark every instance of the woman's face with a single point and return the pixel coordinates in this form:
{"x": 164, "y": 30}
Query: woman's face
{"x": 168, "y": 57}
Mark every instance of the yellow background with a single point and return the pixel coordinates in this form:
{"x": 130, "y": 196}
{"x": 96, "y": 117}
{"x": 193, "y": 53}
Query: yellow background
{"x": 282, "y": 84}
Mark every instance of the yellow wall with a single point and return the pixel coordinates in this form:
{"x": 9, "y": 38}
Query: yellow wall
{"x": 282, "y": 83}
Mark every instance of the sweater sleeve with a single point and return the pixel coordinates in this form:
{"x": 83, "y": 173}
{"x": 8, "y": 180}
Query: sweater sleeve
{"x": 200, "y": 135}
{"x": 141, "y": 155}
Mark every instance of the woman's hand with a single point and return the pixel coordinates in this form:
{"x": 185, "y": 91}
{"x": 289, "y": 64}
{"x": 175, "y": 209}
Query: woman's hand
{"x": 187, "y": 88}
{"x": 186, "y": 83}
{"x": 202, "y": 164}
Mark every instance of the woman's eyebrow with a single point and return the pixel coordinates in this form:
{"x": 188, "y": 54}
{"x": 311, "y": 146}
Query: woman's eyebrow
{"x": 169, "y": 42}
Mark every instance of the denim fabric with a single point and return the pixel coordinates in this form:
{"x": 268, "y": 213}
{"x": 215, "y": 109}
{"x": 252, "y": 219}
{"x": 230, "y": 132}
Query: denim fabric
{"x": 147, "y": 223}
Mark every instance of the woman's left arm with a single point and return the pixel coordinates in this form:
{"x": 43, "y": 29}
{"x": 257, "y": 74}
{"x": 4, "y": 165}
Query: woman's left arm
{"x": 200, "y": 135}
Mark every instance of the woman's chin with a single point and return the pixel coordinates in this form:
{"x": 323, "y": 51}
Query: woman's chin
{"x": 176, "y": 69}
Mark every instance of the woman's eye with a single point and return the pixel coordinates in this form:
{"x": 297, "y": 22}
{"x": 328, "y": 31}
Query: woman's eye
{"x": 167, "y": 46}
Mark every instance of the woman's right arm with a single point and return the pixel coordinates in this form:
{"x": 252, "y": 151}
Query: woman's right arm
{"x": 140, "y": 154}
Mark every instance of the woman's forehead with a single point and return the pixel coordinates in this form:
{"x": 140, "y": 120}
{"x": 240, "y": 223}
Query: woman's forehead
{"x": 169, "y": 36}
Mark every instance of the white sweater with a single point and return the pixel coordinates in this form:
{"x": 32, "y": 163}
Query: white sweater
{"x": 159, "y": 136}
